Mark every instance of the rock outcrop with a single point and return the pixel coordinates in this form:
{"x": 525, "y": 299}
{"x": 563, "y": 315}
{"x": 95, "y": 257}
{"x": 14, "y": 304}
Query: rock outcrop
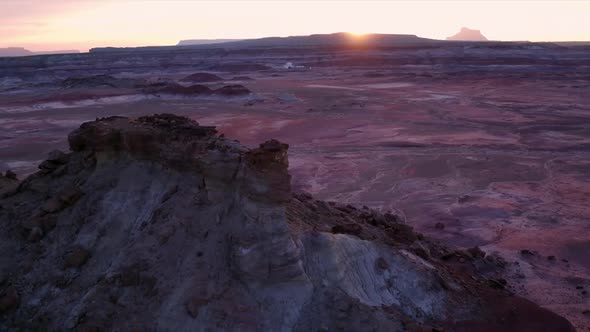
{"x": 8, "y": 183}
{"x": 100, "y": 81}
{"x": 467, "y": 34}
{"x": 177, "y": 89}
{"x": 233, "y": 90}
{"x": 158, "y": 223}
{"x": 197, "y": 90}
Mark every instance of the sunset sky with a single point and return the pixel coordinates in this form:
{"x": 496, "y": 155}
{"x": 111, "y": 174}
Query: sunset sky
{"x": 62, "y": 24}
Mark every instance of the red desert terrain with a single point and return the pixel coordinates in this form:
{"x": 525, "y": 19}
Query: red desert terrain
{"x": 159, "y": 223}
{"x": 473, "y": 144}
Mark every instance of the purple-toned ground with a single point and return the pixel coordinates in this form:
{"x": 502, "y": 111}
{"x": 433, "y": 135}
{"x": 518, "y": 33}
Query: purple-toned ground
{"x": 499, "y": 157}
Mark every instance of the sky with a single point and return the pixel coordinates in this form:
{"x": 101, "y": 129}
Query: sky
{"x": 67, "y": 24}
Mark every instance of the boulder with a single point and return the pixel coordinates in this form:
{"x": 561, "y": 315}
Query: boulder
{"x": 10, "y": 175}
{"x": 76, "y": 257}
{"x": 58, "y": 157}
{"x": 9, "y": 300}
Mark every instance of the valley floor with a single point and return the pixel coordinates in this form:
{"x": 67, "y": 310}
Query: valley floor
{"x": 496, "y": 157}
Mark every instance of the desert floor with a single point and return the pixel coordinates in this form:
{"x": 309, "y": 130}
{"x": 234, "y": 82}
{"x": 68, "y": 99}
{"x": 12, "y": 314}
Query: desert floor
{"x": 499, "y": 158}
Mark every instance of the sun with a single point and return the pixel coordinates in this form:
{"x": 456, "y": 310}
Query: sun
{"x": 357, "y": 38}
{"x": 357, "y": 34}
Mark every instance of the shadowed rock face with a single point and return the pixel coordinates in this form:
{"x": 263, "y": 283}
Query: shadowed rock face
{"x": 8, "y": 183}
{"x": 157, "y": 223}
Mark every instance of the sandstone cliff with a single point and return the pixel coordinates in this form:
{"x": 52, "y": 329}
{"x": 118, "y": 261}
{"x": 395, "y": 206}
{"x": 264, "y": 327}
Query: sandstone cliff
{"x": 158, "y": 223}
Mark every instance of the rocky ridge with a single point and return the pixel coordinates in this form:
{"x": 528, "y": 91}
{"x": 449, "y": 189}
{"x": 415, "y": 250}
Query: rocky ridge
{"x": 159, "y": 223}
{"x": 100, "y": 81}
{"x": 197, "y": 90}
{"x": 201, "y": 78}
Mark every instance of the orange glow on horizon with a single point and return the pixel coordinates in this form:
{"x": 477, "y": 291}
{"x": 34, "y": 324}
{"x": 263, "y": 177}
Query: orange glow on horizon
{"x": 358, "y": 34}
{"x": 60, "y": 24}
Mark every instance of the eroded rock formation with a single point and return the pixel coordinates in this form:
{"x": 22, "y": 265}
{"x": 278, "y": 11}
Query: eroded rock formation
{"x": 158, "y": 223}
{"x": 100, "y": 81}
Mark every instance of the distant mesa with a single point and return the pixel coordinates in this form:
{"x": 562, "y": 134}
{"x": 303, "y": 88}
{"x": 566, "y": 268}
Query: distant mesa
{"x": 15, "y": 51}
{"x": 20, "y": 51}
{"x": 57, "y": 52}
{"x": 204, "y": 41}
{"x": 467, "y": 34}
{"x": 339, "y": 39}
